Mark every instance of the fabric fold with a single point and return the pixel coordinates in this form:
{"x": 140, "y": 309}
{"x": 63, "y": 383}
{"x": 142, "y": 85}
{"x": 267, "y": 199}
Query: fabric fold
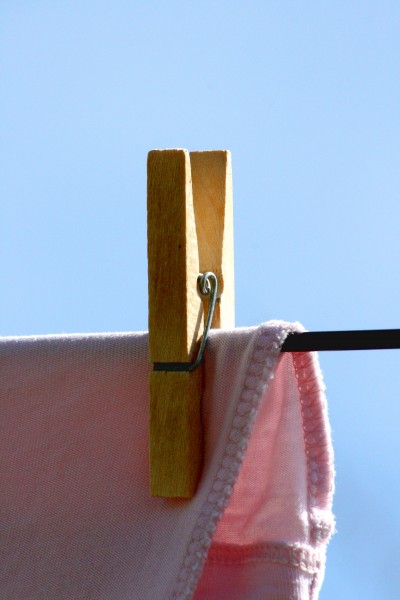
{"x": 77, "y": 518}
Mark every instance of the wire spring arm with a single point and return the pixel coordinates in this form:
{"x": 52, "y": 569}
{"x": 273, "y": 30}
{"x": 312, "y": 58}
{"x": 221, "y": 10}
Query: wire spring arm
{"x": 208, "y": 287}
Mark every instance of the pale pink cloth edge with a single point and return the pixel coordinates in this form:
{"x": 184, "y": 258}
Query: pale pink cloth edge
{"x": 269, "y": 340}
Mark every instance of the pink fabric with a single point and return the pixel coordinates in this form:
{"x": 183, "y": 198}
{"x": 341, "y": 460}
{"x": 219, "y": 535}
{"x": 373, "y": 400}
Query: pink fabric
{"x": 77, "y": 520}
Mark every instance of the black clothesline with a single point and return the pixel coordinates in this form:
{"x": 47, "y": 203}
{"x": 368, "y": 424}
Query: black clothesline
{"x": 374, "y": 339}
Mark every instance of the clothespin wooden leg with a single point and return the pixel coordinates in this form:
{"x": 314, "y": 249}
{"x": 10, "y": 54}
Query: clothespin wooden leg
{"x": 213, "y": 207}
{"x": 175, "y": 307}
{"x": 175, "y": 325}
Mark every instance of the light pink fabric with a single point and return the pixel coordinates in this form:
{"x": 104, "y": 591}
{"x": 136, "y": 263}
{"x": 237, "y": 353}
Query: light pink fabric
{"x": 77, "y": 520}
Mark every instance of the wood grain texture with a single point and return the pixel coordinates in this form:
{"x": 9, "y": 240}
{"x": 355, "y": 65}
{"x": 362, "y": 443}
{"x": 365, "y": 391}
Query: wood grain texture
{"x": 213, "y": 206}
{"x": 175, "y": 325}
{"x": 176, "y": 436}
{"x": 190, "y": 230}
{"x": 175, "y": 308}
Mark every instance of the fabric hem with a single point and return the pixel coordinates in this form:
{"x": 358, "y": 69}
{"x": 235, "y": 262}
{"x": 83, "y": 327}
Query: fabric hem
{"x": 319, "y": 453}
{"x": 264, "y": 358}
{"x": 299, "y": 556}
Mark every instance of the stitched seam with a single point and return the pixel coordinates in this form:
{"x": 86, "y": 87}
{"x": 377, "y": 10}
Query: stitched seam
{"x": 298, "y": 556}
{"x": 319, "y": 452}
{"x": 264, "y": 357}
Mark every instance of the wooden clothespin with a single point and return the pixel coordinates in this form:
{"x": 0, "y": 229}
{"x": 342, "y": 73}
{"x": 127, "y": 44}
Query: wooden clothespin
{"x": 190, "y": 231}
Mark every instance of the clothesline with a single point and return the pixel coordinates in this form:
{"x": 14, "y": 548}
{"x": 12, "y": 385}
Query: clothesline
{"x": 373, "y": 339}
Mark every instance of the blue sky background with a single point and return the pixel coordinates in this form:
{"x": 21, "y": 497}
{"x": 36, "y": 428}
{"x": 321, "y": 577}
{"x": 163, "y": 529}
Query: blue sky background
{"x": 306, "y": 95}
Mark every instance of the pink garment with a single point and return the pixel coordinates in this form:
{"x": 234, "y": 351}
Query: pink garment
{"x": 77, "y": 520}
